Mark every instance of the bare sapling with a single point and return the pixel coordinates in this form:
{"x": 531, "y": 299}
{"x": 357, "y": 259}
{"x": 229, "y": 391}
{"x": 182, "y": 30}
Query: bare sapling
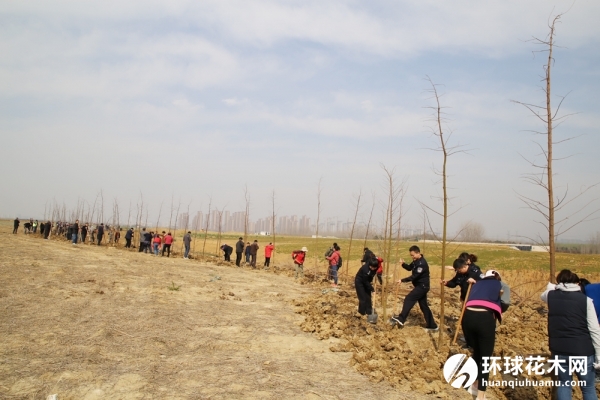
{"x": 247, "y": 212}
{"x": 317, "y": 226}
{"x": 369, "y": 221}
{"x": 356, "y": 210}
{"x": 543, "y": 176}
{"x": 437, "y": 130}
{"x": 158, "y": 219}
{"x": 206, "y": 227}
{"x": 273, "y": 228}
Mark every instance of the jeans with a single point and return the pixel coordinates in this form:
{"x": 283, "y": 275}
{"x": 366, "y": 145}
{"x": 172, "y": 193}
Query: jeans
{"x": 74, "y": 237}
{"x": 187, "y": 251}
{"x": 333, "y": 273}
{"x": 156, "y": 245}
{"x": 247, "y": 258}
{"x": 564, "y": 392}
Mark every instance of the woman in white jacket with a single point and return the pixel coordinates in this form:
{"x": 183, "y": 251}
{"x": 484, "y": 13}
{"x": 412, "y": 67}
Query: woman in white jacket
{"x": 573, "y": 331}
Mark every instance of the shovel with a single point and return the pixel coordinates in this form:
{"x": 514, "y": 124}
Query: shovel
{"x": 372, "y": 318}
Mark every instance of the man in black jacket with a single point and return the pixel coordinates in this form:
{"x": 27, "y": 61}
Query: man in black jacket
{"x": 227, "y": 250}
{"x": 16, "y": 226}
{"x": 100, "y": 233}
{"x": 239, "y": 249}
{"x": 364, "y": 287}
{"x": 420, "y": 279}
{"x": 128, "y": 237}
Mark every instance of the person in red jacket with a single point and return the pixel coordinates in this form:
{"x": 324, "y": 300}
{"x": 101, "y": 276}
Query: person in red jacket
{"x": 298, "y": 256}
{"x": 380, "y": 270}
{"x": 156, "y": 242}
{"x": 268, "y": 252}
{"x": 168, "y": 241}
{"x": 334, "y": 260}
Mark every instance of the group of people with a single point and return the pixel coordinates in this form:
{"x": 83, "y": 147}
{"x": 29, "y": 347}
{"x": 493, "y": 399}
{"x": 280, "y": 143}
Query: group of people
{"x": 573, "y": 320}
{"x": 154, "y": 242}
{"x": 250, "y": 251}
{"x": 74, "y": 232}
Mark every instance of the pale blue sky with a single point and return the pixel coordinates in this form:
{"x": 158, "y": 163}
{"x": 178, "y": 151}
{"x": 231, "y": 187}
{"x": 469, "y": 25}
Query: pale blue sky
{"x": 201, "y": 98}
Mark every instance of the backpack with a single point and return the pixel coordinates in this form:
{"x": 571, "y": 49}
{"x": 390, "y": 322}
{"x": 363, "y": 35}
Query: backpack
{"x": 340, "y": 263}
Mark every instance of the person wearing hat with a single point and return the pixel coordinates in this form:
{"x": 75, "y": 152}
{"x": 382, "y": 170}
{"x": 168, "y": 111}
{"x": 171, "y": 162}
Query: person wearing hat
{"x": 299, "y": 256}
{"x": 482, "y": 309}
{"x": 465, "y": 275}
{"x": 239, "y": 249}
{"x": 504, "y": 293}
{"x": 573, "y": 331}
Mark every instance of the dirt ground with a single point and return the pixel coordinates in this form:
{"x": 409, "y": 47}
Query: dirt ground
{"x": 88, "y": 323}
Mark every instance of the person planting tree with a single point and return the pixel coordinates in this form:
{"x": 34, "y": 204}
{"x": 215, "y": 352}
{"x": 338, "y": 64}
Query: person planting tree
{"x": 420, "y": 279}
{"x": 299, "y": 256}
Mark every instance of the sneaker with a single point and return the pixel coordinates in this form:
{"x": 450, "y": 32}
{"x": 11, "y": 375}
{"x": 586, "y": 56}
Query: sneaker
{"x": 472, "y": 390}
{"x": 436, "y": 329}
{"x": 395, "y": 320}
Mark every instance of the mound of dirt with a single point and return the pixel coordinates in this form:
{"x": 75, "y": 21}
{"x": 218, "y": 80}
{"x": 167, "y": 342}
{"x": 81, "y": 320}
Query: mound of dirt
{"x": 408, "y": 358}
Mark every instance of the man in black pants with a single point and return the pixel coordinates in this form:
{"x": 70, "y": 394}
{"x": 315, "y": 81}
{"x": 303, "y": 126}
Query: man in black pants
{"x": 100, "y": 233}
{"x": 239, "y": 249}
{"x": 420, "y": 279}
{"x": 84, "y": 232}
{"x": 364, "y": 287}
{"x": 128, "y": 237}
{"x": 16, "y": 226}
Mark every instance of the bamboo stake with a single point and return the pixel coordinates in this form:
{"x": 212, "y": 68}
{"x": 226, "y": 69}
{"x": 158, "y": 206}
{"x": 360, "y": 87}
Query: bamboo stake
{"x": 461, "y": 314}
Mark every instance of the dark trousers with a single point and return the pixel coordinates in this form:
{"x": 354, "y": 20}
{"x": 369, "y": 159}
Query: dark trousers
{"x": 142, "y": 247}
{"x": 168, "y": 248}
{"x": 128, "y": 243}
{"x": 83, "y": 235}
{"x": 15, "y": 230}
{"x": 479, "y": 328}
{"x": 267, "y": 261}
{"x": 238, "y": 258}
{"x": 418, "y": 295}
{"x": 364, "y": 299}
{"x": 99, "y": 239}
{"x": 253, "y": 261}
{"x": 227, "y": 256}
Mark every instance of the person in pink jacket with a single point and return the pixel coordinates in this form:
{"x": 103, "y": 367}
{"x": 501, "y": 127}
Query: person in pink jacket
{"x": 334, "y": 260}
{"x": 268, "y": 252}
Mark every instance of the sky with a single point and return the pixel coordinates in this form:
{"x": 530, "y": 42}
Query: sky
{"x": 196, "y": 100}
